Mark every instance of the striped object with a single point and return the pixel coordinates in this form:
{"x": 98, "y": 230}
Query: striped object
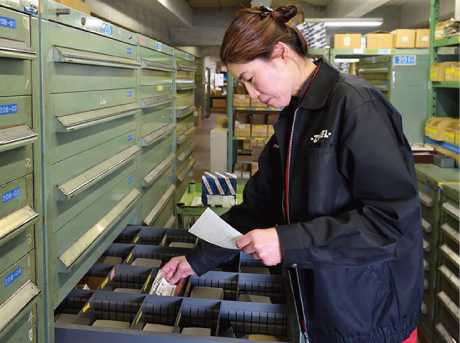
{"x": 315, "y": 34}
{"x": 218, "y": 189}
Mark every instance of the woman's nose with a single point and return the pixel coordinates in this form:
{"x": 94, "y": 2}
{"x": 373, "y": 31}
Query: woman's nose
{"x": 253, "y": 93}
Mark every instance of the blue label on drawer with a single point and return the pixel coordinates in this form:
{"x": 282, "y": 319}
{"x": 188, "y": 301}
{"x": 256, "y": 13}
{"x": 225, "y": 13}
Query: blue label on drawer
{"x": 170, "y": 117}
{"x": 8, "y": 22}
{"x": 130, "y": 93}
{"x": 107, "y": 29}
{"x": 170, "y": 87}
{"x": 10, "y": 195}
{"x": 13, "y": 276}
{"x": 30, "y": 10}
{"x": 8, "y": 109}
{"x": 405, "y": 60}
{"x": 129, "y": 50}
{"x": 170, "y": 59}
{"x": 428, "y": 190}
{"x": 159, "y": 46}
{"x": 130, "y": 138}
{"x": 130, "y": 180}
{"x": 170, "y": 146}
{"x": 186, "y": 56}
{"x": 384, "y": 51}
{"x": 169, "y": 178}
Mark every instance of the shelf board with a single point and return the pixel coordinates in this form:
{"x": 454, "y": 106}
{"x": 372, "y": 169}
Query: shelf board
{"x": 251, "y": 138}
{"x": 256, "y": 109}
{"x": 244, "y": 162}
{"x": 445, "y": 145}
{"x": 373, "y": 52}
{"x": 446, "y": 42}
{"x": 446, "y": 84}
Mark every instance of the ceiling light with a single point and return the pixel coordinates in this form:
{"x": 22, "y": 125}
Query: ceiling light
{"x": 342, "y": 22}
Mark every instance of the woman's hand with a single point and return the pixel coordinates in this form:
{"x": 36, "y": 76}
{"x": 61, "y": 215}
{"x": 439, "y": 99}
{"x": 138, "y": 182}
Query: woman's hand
{"x": 262, "y": 244}
{"x": 177, "y": 268}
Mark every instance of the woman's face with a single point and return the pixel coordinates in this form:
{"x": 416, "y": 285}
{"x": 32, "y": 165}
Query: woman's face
{"x": 269, "y": 81}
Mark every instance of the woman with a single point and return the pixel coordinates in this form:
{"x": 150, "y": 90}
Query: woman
{"x": 335, "y": 197}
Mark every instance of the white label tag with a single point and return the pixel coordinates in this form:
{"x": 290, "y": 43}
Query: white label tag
{"x": 346, "y": 41}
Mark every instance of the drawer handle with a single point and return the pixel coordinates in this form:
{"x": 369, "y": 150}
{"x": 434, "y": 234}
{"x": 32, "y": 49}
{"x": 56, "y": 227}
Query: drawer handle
{"x": 68, "y": 55}
{"x": 155, "y": 211}
{"x": 426, "y": 226}
{"x": 81, "y": 120}
{"x": 16, "y": 136}
{"x": 183, "y": 111}
{"x": 451, "y": 209}
{"x": 424, "y": 309}
{"x": 10, "y": 48}
{"x": 182, "y": 174}
{"x": 183, "y": 137}
{"x": 157, "y": 134}
{"x": 158, "y": 170}
{"x": 444, "y": 334}
{"x": 171, "y": 222}
{"x": 185, "y": 67}
{"x": 15, "y": 304}
{"x": 74, "y": 253}
{"x": 185, "y": 86}
{"x": 157, "y": 100}
{"x": 14, "y": 221}
{"x": 450, "y": 276}
{"x": 426, "y": 284}
{"x": 181, "y": 158}
{"x": 372, "y": 70}
{"x": 451, "y": 255}
{"x": 425, "y": 199}
{"x": 426, "y": 265}
{"x": 79, "y": 183}
{"x": 426, "y": 246}
{"x": 383, "y": 88}
{"x": 451, "y": 306}
{"x": 146, "y": 64}
{"x": 449, "y": 231}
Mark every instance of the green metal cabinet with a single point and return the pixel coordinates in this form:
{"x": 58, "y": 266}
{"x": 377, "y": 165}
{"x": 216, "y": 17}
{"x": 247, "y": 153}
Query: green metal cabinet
{"x": 446, "y": 324}
{"x": 431, "y": 179}
{"x": 21, "y": 235}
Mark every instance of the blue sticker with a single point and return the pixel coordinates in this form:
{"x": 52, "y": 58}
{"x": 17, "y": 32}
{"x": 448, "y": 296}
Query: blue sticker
{"x": 130, "y": 180}
{"x": 186, "y": 56}
{"x": 30, "y": 10}
{"x": 10, "y": 195}
{"x": 170, "y": 59}
{"x": 8, "y": 109}
{"x": 405, "y": 60}
{"x": 373, "y": 59}
{"x": 170, "y": 146}
{"x": 130, "y": 93}
{"x": 8, "y": 22}
{"x": 428, "y": 190}
{"x": 384, "y": 51}
{"x": 169, "y": 178}
{"x": 107, "y": 29}
{"x": 13, "y": 276}
{"x": 170, "y": 88}
{"x": 170, "y": 117}
{"x": 129, "y": 50}
{"x": 130, "y": 138}
{"x": 159, "y": 46}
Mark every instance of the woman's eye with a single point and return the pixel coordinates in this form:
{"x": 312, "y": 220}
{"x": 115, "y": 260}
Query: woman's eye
{"x": 250, "y": 80}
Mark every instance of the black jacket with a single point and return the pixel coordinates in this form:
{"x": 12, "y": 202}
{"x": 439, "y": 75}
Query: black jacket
{"x": 355, "y": 238}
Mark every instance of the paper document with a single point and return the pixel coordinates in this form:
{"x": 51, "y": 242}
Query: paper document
{"x": 162, "y": 287}
{"x": 210, "y": 228}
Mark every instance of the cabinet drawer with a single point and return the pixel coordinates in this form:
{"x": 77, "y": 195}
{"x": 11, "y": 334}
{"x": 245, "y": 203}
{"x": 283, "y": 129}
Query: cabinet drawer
{"x": 154, "y": 212}
{"x": 185, "y": 148}
{"x": 16, "y": 26}
{"x": 155, "y": 60}
{"x": 450, "y": 213}
{"x": 161, "y": 80}
{"x": 152, "y": 120}
{"x": 185, "y": 98}
{"x": 16, "y": 194}
{"x": 15, "y": 111}
{"x": 17, "y": 275}
{"x": 166, "y": 215}
{"x": 16, "y": 245}
{"x": 156, "y": 194}
{"x": 155, "y": 153}
{"x": 23, "y": 328}
{"x": 15, "y": 163}
{"x": 448, "y": 314}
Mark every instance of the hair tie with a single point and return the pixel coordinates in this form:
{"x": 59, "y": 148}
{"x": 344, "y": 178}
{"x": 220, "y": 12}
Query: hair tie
{"x": 265, "y": 11}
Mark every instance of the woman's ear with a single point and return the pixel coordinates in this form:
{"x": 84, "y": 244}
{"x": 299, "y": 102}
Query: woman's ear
{"x": 281, "y": 50}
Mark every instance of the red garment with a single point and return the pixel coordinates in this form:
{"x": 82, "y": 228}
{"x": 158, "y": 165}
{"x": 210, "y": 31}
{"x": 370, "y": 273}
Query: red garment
{"x": 412, "y": 338}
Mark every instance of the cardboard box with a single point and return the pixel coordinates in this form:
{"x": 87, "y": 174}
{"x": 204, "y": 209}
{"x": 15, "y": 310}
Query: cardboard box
{"x": 347, "y": 41}
{"x": 259, "y": 130}
{"x": 218, "y": 188}
{"x": 197, "y": 116}
{"x": 242, "y": 129}
{"x": 258, "y": 119}
{"x": 241, "y": 100}
{"x": 270, "y": 130}
{"x": 452, "y": 72}
{"x": 379, "y": 40}
{"x": 254, "y": 167}
{"x": 257, "y": 103}
{"x": 422, "y": 38}
{"x": 221, "y": 122}
{"x": 446, "y": 68}
{"x": 262, "y": 337}
{"x": 219, "y": 142}
{"x": 273, "y": 117}
{"x": 245, "y": 174}
{"x": 76, "y": 4}
{"x": 434, "y": 74}
{"x": 222, "y": 103}
{"x": 90, "y": 282}
{"x": 243, "y": 117}
{"x": 403, "y": 38}
{"x": 240, "y": 89}
{"x": 147, "y": 262}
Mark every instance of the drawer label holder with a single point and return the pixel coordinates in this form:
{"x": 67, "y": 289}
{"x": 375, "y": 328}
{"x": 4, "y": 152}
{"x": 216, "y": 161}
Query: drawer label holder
{"x": 13, "y": 276}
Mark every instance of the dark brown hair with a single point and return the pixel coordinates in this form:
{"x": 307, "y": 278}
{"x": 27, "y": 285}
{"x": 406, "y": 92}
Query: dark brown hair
{"x": 255, "y": 31}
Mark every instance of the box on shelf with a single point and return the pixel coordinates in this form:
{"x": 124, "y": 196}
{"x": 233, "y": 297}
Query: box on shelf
{"x": 435, "y": 127}
{"x": 404, "y": 38}
{"x": 197, "y": 116}
{"x": 314, "y": 33}
{"x": 257, "y": 103}
{"x": 452, "y": 72}
{"x": 242, "y": 129}
{"x": 422, "y": 38}
{"x": 76, "y": 4}
{"x": 242, "y": 117}
{"x": 222, "y": 122}
{"x": 218, "y": 189}
{"x": 219, "y": 103}
{"x": 257, "y": 119}
{"x": 256, "y": 151}
{"x": 254, "y": 167}
{"x": 379, "y": 40}
{"x": 347, "y": 41}
{"x": 273, "y": 117}
{"x": 219, "y": 140}
{"x": 259, "y": 130}
{"x": 240, "y": 89}
{"x": 270, "y": 130}
{"x": 434, "y": 73}
{"x": 451, "y": 131}
{"x": 241, "y": 100}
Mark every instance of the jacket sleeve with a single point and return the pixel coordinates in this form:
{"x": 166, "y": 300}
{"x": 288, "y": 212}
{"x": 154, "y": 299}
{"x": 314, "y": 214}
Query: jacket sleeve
{"x": 384, "y": 222}
{"x": 258, "y": 210}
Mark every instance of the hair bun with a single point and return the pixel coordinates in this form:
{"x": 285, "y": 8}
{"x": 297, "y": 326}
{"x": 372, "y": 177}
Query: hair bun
{"x": 285, "y": 13}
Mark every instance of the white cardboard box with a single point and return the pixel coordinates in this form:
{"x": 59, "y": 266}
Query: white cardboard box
{"x": 219, "y": 150}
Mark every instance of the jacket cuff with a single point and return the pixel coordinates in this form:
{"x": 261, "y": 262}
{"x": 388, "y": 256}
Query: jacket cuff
{"x": 292, "y": 243}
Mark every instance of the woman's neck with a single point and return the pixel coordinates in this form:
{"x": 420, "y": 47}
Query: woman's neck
{"x": 304, "y": 69}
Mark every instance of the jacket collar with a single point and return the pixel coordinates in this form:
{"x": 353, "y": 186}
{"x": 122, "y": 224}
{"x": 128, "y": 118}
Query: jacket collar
{"x": 321, "y": 86}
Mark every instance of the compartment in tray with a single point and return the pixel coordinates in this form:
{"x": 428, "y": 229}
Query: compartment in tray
{"x": 118, "y": 250}
{"x": 227, "y": 281}
{"x": 154, "y": 252}
{"x": 95, "y": 276}
{"x": 69, "y": 308}
{"x": 263, "y": 285}
{"x": 179, "y": 236}
{"x": 128, "y": 235}
{"x": 247, "y": 261}
{"x": 158, "y": 310}
{"x": 199, "y": 313}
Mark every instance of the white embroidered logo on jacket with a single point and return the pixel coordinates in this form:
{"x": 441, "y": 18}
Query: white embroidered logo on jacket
{"x": 323, "y": 134}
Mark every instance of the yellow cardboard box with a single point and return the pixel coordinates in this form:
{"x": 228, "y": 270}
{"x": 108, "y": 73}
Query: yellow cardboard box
{"x": 404, "y": 38}
{"x": 379, "y": 40}
{"x": 76, "y": 4}
{"x": 242, "y": 129}
{"x": 422, "y": 38}
{"x": 434, "y": 74}
{"x": 241, "y": 100}
{"x": 257, "y": 103}
{"x": 259, "y": 130}
{"x": 452, "y": 72}
{"x": 347, "y": 41}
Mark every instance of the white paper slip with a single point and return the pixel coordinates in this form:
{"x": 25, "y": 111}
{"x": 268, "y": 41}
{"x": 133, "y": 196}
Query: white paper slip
{"x": 162, "y": 287}
{"x": 210, "y": 228}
